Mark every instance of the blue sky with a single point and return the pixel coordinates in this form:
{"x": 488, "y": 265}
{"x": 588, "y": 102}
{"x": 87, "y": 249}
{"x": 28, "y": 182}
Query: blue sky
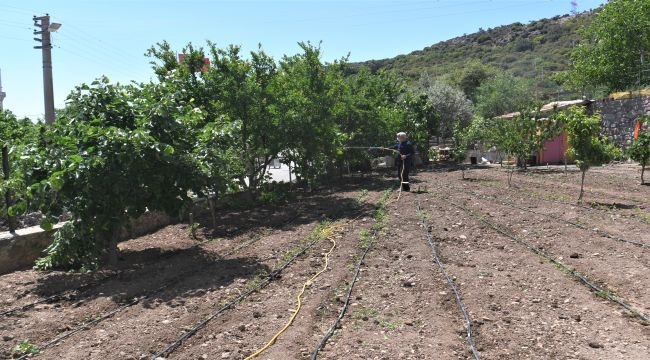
{"x": 110, "y": 38}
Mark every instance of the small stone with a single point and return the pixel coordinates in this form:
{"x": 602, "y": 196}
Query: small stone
{"x": 257, "y": 314}
{"x": 225, "y": 355}
{"x": 203, "y": 357}
{"x": 7, "y": 337}
{"x": 575, "y": 256}
{"x": 595, "y": 345}
{"x": 462, "y": 237}
{"x": 408, "y": 323}
{"x": 242, "y": 327}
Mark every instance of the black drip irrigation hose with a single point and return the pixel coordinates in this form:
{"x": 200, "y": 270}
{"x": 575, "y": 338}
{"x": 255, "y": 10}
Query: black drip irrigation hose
{"x": 599, "y": 291}
{"x": 328, "y": 334}
{"x": 601, "y": 193}
{"x": 272, "y": 276}
{"x": 65, "y": 293}
{"x": 450, "y": 282}
{"x": 84, "y": 326}
{"x": 602, "y": 233}
{"x": 68, "y": 294}
{"x": 136, "y": 300}
{"x": 87, "y": 325}
{"x": 578, "y": 225}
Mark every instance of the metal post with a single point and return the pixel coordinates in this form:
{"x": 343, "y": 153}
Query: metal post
{"x": 46, "y": 48}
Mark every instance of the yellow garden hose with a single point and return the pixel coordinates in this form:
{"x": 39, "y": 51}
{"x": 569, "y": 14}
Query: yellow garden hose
{"x": 295, "y": 313}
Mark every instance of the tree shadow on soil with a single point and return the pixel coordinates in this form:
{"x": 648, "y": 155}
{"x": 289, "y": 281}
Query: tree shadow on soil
{"x": 543, "y": 170}
{"x": 300, "y": 209}
{"x": 176, "y": 275}
{"x": 613, "y": 205}
{"x": 190, "y": 271}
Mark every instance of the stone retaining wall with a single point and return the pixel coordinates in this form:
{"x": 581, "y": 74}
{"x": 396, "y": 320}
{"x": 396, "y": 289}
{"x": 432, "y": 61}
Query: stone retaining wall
{"x": 618, "y": 117}
{"x": 19, "y": 250}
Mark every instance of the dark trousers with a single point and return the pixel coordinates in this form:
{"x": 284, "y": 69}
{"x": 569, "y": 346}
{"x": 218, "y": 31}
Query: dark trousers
{"x": 403, "y": 174}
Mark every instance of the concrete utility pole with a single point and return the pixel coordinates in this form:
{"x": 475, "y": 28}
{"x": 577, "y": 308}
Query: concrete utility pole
{"x": 3, "y": 95}
{"x": 43, "y": 23}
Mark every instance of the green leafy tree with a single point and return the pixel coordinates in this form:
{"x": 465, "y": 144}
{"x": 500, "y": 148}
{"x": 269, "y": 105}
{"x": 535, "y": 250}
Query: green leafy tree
{"x": 520, "y": 136}
{"x": 306, "y": 112}
{"x": 585, "y": 145}
{"x": 470, "y": 77}
{"x": 447, "y": 107}
{"x": 502, "y": 94}
{"x": 17, "y": 139}
{"x": 367, "y": 109}
{"x": 468, "y": 138}
{"x": 106, "y": 169}
{"x": 236, "y": 99}
{"x": 614, "y": 49}
{"x": 245, "y": 96}
{"x": 639, "y": 151}
{"x": 420, "y": 121}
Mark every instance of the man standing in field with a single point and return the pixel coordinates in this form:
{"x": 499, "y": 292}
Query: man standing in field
{"x": 403, "y": 160}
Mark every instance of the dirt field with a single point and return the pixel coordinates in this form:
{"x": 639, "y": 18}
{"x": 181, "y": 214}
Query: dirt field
{"x": 463, "y": 269}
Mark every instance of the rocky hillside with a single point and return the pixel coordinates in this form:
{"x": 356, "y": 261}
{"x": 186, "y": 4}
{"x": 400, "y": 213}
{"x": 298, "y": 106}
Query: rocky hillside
{"x": 534, "y": 51}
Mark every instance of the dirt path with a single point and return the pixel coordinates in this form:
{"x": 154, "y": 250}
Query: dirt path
{"x": 403, "y": 308}
{"x": 523, "y": 306}
{"x": 489, "y": 238}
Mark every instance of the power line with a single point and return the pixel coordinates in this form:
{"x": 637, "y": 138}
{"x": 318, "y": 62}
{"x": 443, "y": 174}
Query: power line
{"x": 100, "y": 45}
{"x": 94, "y": 60}
{"x": 13, "y": 38}
{"x": 83, "y": 45}
{"x": 8, "y": 8}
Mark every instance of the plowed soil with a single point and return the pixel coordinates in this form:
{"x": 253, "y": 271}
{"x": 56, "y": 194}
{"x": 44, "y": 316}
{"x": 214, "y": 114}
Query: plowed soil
{"x": 462, "y": 267}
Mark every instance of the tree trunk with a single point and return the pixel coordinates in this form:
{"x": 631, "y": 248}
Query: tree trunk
{"x": 642, "y": 171}
{"x": 11, "y": 221}
{"x": 213, "y": 212}
{"x": 110, "y": 241}
{"x": 582, "y": 185}
{"x": 510, "y": 173}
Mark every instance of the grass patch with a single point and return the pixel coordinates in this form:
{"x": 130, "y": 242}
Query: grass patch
{"x": 422, "y": 215}
{"x": 365, "y": 314}
{"x": 363, "y": 194}
{"x": 389, "y": 325}
{"x": 644, "y": 216}
{"x": 25, "y": 347}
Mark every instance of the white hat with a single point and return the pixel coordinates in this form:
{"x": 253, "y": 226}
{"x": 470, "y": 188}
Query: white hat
{"x": 400, "y": 134}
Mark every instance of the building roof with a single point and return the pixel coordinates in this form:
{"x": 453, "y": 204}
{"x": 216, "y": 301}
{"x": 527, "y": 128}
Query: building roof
{"x": 550, "y": 106}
